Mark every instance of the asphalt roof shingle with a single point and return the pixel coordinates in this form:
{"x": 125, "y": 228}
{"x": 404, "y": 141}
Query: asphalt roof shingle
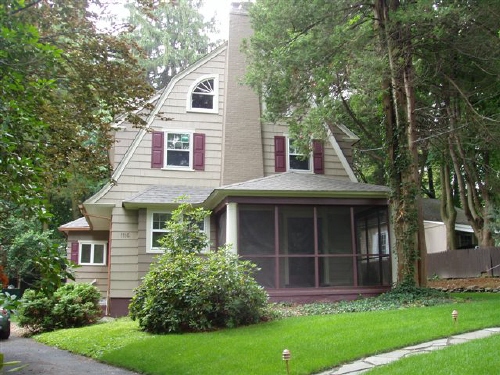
{"x": 165, "y": 194}
{"x": 296, "y": 181}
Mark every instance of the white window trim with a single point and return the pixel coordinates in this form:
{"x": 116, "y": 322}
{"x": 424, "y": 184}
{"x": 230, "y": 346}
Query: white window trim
{"x": 149, "y": 233}
{"x": 310, "y": 170}
{"x": 92, "y": 255}
{"x": 215, "y": 77}
{"x": 165, "y": 147}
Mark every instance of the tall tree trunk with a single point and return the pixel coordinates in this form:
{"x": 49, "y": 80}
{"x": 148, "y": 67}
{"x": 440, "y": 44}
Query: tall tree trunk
{"x": 448, "y": 212}
{"x": 401, "y": 131}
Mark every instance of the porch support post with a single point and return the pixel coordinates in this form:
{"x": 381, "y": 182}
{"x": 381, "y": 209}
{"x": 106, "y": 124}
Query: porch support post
{"x": 232, "y": 226}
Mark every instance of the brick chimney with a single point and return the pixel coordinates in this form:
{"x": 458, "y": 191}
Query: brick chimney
{"x": 242, "y": 136}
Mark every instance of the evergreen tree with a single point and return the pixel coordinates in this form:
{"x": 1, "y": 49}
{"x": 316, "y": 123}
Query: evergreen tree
{"x": 170, "y": 35}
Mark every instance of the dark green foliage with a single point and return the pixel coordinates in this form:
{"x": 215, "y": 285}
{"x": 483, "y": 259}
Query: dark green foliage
{"x": 402, "y": 296}
{"x": 169, "y": 37}
{"x": 190, "y": 292}
{"x": 33, "y": 257}
{"x": 72, "y": 305}
{"x": 35, "y": 312}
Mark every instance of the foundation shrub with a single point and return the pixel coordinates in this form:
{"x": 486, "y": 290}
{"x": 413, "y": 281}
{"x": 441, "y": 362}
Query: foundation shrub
{"x": 186, "y": 293}
{"x": 187, "y": 290}
{"x": 72, "y": 305}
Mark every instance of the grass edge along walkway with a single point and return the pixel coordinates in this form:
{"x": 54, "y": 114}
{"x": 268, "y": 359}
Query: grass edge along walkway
{"x": 316, "y": 342}
{"x": 369, "y": 364}
{"x": 477, "y": 356}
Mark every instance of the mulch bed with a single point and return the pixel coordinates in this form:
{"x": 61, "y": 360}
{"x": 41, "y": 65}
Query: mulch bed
{"x": 478, "y": 284}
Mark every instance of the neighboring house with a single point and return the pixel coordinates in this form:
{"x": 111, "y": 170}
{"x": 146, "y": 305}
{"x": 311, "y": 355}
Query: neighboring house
{"x": 435, "y": 229}
{"x": 313, "y": 230}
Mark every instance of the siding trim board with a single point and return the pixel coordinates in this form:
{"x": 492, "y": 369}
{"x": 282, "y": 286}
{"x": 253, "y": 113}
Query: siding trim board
{"x": 341, "y": 156}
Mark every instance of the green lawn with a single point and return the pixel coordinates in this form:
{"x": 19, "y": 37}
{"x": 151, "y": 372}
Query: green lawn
{"x": 315, "y": 342}
{"x": 478, "y": 357}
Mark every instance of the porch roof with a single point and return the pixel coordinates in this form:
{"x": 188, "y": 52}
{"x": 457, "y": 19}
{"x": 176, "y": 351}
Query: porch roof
{"x": 165, "y": 195}
{"x": 79, "y": 224}
{"x": 295, "y": 185}
{"x": 297, "y": 181}
{"x": 290, "y": 184}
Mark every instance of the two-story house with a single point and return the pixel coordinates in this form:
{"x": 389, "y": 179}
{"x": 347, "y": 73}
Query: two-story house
{"x": 313, "y": 230}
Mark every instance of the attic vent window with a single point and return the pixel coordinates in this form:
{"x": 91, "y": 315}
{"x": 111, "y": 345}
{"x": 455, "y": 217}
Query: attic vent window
{"x": 203, "y": 95}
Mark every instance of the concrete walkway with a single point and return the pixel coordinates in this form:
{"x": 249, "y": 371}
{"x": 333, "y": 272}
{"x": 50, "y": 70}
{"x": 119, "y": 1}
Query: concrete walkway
{"x": 365, "y": 364}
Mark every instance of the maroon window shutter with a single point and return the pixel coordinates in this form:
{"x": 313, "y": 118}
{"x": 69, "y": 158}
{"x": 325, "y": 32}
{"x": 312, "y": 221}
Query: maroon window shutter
{"x": 157, "y": 146}
{"x": 74, "y": 252}
{"x": 279, "y": 153}
{"x": 318, "y": 157}
{"x": 199, "y": 151}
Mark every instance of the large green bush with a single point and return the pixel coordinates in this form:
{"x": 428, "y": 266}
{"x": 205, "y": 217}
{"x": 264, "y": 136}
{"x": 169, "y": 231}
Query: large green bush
{"x": 72, "y": 305}
{"x": 188, "y": 291}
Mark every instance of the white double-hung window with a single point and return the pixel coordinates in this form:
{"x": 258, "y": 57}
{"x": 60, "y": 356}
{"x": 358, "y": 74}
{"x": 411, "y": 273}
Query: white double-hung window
{"x": 157, "y": 222}
{"x": 297, "y": 161}
{"x": 179, "y": 149}
{"x": 92, "y": 253}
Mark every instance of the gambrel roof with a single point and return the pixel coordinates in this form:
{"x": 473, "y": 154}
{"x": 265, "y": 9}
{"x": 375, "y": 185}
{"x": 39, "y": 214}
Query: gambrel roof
{"x": 160, "y": 100}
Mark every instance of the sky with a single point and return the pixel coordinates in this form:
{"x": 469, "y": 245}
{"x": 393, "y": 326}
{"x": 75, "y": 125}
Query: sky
{"x": 219, "y": 8}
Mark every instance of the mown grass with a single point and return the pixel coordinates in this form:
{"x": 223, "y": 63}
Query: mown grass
{"x": 315, "y": 342}
{"x": 478, "y": 357}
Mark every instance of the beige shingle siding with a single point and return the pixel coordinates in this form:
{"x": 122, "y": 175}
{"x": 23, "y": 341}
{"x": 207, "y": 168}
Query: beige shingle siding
{"x": 87, "y": 274}
{"x": 333, "y": 166}
{"x": 124, "y": 257}
{"x": 138, "y": 173}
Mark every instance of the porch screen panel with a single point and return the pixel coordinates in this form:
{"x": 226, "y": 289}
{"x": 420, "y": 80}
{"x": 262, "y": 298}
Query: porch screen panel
{"x": 296, "y": 225}
{"x": 336, "y": 271}
{"x": 296, "y": 247}
{"x": 265, "y": 275}
{"x": 374, "y": 270}
{"x": 256, "y": 230}
{"x": 297, "y": 272}
{"x": 334, "y": 228}
{"x": 372, "y": 248}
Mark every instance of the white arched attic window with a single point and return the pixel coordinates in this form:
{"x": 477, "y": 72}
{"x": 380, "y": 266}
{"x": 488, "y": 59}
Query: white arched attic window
{"x": 203, "y": 95}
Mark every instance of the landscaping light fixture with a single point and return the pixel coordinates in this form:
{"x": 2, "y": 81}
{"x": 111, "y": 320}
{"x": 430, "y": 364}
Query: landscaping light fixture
{"x": 286, "y": 358}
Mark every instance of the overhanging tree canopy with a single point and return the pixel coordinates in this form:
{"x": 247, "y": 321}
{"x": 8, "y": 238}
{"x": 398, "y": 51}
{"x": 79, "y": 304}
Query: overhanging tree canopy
{"x": 368, "y": 66}
{"x": 63, "y": 82}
